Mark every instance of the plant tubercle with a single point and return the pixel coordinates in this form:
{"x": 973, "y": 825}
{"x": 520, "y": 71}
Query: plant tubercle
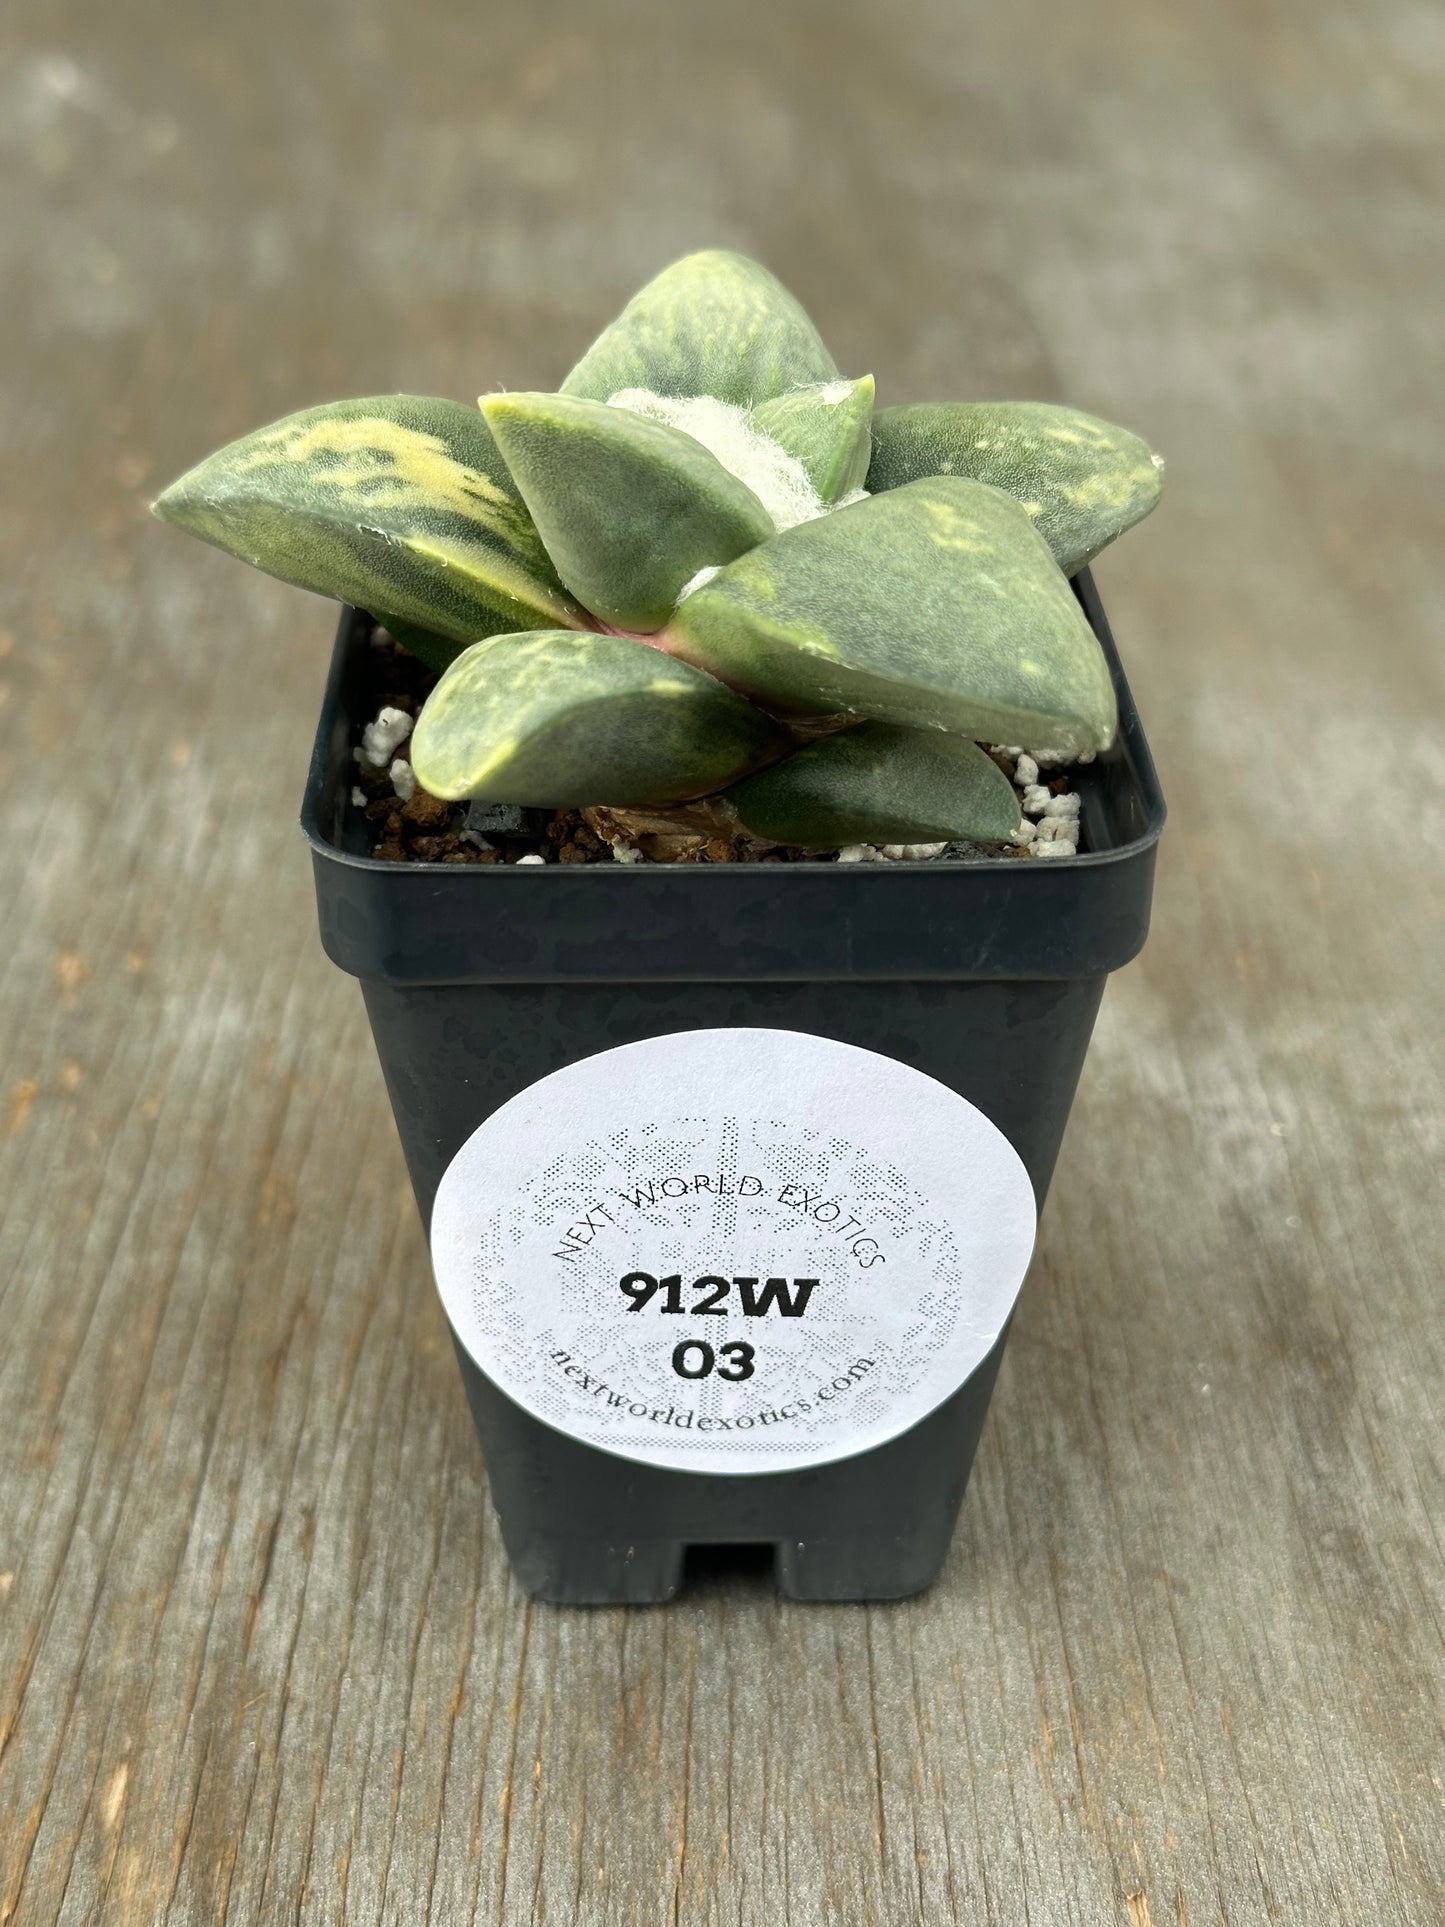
{"x": 708, "y": 567}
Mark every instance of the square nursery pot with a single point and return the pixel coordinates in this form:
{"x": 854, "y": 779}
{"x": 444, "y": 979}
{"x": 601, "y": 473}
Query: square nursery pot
{"x": 859, "y": 1072}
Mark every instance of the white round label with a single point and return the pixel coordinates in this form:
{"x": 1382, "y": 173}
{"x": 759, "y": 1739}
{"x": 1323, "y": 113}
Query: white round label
{"x": 732, "y": 1251}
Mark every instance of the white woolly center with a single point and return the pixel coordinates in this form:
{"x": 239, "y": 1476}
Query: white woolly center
{"x": 730, "y": 434}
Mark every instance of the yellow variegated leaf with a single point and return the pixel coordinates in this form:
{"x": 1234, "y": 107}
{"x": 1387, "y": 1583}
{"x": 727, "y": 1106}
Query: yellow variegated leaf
{"x": 556, "y": 719}
{"x": 714, "y": 323}
{"x": 630, "y": 509}
{"x": 1081, "y": 480}
{"x": 934, "y": 606}
{"x": 400, "y": 504}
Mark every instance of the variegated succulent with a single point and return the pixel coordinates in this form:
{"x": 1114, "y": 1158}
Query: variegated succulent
{"x": 708, "y": 568}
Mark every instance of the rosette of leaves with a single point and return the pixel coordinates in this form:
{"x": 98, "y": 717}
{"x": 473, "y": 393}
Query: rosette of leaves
{"x": 707, "y": 567}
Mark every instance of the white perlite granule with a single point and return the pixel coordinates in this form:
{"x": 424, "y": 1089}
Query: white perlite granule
{"x": 1038, "y": 759}
{"x": 728, "y": 432}
{"x": 890, "y": 852}
{"x": 534, "y": 858}
{"x": 403, "y": 779}
{"x": 358, "y": 798}
{"x": 1050, "y": 825}
{"x": 1058, "y": 835}
{"x": 1061, "y": 758}
{"x": 380, "y": 739}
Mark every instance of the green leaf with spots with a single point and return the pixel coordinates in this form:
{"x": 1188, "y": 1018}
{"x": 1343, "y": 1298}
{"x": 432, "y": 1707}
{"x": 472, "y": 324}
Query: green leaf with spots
{"x": 937, "y": 605}
{"x": 1083, "y": 480}
{"x": 826, "y": 428}
{"x": 557, "y": 719}
{"x": 714, "y": 323}
{"x": 629, "y": 508}
{"x": 400, "y": 504}
{"x": 877, "y": 783}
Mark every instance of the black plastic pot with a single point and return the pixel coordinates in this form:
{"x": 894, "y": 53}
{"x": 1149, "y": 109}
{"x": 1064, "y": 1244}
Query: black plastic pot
{"x": 481, "y": 980}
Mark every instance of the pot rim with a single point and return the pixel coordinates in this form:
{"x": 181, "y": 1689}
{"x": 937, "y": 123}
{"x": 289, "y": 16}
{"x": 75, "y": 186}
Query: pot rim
{"x": 1130, "y": 748}
{"x": 433, "y": 924}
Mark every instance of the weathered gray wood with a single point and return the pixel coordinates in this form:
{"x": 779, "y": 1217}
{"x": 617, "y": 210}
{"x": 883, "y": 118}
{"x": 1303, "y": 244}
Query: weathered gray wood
{"x": 260, "y": 1657}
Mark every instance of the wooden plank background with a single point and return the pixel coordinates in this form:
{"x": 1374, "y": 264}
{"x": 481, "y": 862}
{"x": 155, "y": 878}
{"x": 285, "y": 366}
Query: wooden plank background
{"x": 260, "y": 1656}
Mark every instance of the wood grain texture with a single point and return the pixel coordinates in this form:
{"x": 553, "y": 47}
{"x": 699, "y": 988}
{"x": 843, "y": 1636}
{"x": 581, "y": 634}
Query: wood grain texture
{"x": 260, "y": 1656}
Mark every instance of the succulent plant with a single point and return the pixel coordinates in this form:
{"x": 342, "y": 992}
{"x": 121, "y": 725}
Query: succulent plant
{"x": 707, "y": 568}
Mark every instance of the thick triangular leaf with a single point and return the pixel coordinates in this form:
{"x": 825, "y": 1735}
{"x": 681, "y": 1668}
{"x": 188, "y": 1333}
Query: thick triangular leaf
{"x": 629, "y": 508}
{"x": 557, "y": 719}
{"x": 401, "y": 504}
{"x": 714, "y": 323}
{"x": 825, "y": 427}
{"x": 1083, "y": 480}
{"x": 937, "y": 606}
{"x": 876, "y": 783}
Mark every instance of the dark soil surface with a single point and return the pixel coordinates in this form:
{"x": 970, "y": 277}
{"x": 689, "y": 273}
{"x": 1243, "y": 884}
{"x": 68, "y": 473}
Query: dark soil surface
{"x": 425, "y": 829}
